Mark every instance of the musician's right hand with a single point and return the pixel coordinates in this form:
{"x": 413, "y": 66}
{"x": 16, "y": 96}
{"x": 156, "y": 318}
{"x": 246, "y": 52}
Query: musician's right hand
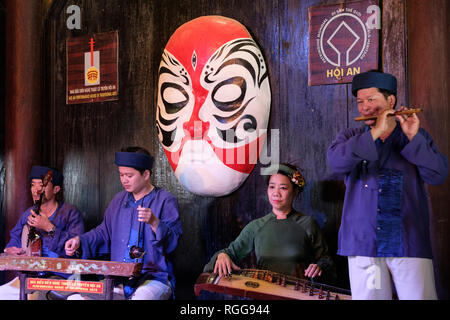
{"x": 14, "y": 251}
{"x": 72, "y": 245}
{"x": 381, "y": 126}
{"x": 224, "y": 265}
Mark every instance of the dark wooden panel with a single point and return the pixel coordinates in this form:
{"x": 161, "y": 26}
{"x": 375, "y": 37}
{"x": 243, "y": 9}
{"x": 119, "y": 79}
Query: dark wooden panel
{"x": 428, "y": 44}
{"x": 307, "y": 119}
{"x": 2, "y": 127}
{"x": 88, "y": 135}
{"x": 393, "y": 45}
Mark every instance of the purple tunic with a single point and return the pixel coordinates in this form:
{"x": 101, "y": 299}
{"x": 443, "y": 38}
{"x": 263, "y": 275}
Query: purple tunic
{"x": 113, "y": 234}
{"x": 68, "y": 221}
{"x": 386, "y": 209}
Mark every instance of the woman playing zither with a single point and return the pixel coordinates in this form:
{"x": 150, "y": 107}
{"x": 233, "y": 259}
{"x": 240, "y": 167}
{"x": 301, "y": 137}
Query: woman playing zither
{"x": 284, "y": 240}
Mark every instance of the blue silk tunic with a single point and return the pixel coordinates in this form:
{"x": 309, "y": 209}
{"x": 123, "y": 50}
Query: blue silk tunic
{"x": 386, "y": 206}
{"x": 68, "y": 221}
{"x": 112, "y": 236}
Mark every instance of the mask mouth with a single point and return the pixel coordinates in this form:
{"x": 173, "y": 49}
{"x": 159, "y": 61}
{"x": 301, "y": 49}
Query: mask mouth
{"x": 214, "y": 179}
{"x": 197, "y": 152}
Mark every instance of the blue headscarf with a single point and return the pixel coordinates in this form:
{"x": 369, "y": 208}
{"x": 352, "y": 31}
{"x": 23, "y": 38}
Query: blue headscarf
{"x": 134, "y": 160}
{"x": 39, "y": 172}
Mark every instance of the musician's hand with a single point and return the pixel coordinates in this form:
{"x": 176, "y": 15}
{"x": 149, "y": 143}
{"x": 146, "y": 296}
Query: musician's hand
{"x": 39, "y": 221}
{"x": 313, "y": 270}
{"x": 382, "y": 125}
{"x": 72, "y": 245}
{"x": 146, "y": 215}
{"x": 224, "y": 265}
{"x": 410, "y": 123}
{"x": 14, "y": 251}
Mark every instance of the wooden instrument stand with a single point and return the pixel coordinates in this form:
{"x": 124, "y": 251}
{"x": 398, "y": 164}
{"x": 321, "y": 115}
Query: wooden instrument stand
{"x": 29, "y": 265}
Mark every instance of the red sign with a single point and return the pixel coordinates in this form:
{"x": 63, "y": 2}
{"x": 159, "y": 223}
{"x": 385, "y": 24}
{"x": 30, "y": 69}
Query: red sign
{"x": 343, "y": 41}
{"x": 65, "y": 285}
{"x": 92, "y": 68}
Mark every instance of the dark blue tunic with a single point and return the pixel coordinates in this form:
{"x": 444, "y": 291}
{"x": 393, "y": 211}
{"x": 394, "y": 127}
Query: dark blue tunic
{"x": 386, "y": 208}
{"x": 112, "y": 236}
{"x": 68, "y": 221}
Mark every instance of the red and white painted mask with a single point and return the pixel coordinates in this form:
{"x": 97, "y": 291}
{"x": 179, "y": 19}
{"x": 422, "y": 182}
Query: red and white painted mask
{"x": 213, "y": 104}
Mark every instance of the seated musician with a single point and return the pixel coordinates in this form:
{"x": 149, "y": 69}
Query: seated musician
{"x": 139, "y": 205}
{"x": 56, "y": 222}
{"x": 284, "y": 241}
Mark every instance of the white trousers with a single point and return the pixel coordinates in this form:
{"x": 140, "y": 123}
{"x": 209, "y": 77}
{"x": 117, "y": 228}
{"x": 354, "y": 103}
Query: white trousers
{"x": 372, "y": 278}
{"x": 149, "y": 290}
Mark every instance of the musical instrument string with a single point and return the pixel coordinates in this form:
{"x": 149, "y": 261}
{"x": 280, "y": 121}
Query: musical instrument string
{"x": 137, "y": 252}
{"x": 283, "y": 279}
{"x": 33, "y": 234}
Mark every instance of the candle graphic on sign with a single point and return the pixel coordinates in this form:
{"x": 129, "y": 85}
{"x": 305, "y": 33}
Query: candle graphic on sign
{"x": 91, "y": 66}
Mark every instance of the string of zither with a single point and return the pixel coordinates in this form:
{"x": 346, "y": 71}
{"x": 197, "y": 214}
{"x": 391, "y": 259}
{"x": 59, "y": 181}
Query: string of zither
{"x": 282, "y": 279}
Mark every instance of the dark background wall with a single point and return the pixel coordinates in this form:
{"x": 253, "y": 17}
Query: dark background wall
{"x": 85, "y": 136}
{"x": 429, "y": 70}
{"x": 2, "y": 124}
{"x": 81, "y": 139}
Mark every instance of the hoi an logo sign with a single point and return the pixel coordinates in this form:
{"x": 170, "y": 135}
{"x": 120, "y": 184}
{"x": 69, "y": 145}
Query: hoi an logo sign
{"x": 343, "y": 41}
{"x": 92, "y": 68}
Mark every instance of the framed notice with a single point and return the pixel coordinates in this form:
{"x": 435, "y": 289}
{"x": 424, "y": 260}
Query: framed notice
{"x": 343, "y": 41}
{"x": 92, "y": 68}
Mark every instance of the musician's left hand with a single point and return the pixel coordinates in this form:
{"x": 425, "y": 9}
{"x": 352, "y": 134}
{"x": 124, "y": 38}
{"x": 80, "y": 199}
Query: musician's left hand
{"x": 14, "y": 251}
{"x": 146, "y": 215}
{"x": 39, "y": 221}
{"x": 313, "y": 270}
{"x": 410, "y": 123}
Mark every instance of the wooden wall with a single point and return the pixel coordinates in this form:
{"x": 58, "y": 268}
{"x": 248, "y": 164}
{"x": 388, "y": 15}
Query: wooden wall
{"x": 429, "y": 69}
{"x": 82, "y": 139}
{"x": 86, "y": 136}
{"x": 2, "y": 124}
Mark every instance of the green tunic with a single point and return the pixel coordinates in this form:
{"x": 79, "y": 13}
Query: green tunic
{"x": 280, "y": 245}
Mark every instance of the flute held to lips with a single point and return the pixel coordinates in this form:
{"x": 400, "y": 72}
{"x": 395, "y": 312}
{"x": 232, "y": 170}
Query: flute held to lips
{"x": 397, "y": 113}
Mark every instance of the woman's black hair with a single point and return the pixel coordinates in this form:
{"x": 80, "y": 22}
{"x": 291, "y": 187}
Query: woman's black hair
{"x": 285, "y": 172}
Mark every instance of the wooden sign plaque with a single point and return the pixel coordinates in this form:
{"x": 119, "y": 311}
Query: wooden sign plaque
{"x": 92, "y": 68}
{"x": 343, "y": 41}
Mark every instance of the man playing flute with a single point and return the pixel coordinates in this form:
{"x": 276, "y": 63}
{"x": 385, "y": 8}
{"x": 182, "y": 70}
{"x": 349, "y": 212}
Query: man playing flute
{"x": 384, "y": 230}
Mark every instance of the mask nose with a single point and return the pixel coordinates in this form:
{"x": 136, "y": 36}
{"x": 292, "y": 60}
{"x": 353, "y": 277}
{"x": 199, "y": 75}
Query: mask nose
{"x": 196, "y": 129}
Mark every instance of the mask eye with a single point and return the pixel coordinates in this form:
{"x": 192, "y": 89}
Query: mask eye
{"x": 174, "y": 97}
{"x": 229, "y": 94}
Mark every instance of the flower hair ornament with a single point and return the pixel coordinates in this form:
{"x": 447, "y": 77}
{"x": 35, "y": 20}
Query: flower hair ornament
{"x": 298, "y": 179}
{"x": 294, "y": 175}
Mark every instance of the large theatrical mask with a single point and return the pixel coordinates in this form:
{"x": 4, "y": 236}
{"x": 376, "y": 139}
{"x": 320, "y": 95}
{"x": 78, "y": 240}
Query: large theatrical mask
{"x": 213, "y": 104}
